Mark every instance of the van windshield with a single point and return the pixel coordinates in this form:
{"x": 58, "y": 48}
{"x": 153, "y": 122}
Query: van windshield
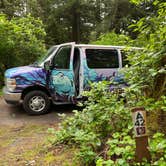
{"x": 43, "y": 58}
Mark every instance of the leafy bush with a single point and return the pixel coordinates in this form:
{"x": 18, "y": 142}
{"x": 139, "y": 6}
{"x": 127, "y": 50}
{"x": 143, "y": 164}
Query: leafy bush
{"x": 121, "y": 150}
{"x": 149, "y": 67}
{"x": 157, "y": 147}
{"x": 113, "y": 39}
{"x": 89, "y": 130}
{"x": 102, "y": 132}
{"x": 21, "y": 41}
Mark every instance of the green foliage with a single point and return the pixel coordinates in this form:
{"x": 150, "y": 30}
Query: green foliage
{"x": 0, "y": 92}
{"x": 90, "y": 129}
{"x": 157, "y": 147}
{"x": 71, "y": 20}
{"x": 21, "y": 41}
{"x": 102, "y": 131}
{"x": 80, "y": 20}
{"x": 123, "y": 146}
{"x": 13, "y": 8}
{"x": 147, "y": 72}
{"x": 113, "y": 39}
{"x": 135, "y": 98}
{"x": 137, "y": 1}
{"x": 149, "y": 66}
{"x": 121, "y": 150}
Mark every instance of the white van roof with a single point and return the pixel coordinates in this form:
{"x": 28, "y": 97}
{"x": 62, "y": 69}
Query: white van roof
{"x": 106, "y": 46}
{"x": 100, "y": 46}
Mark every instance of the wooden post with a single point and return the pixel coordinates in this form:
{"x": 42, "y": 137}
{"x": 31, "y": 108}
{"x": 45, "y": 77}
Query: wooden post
{"x": 141, "y": 137}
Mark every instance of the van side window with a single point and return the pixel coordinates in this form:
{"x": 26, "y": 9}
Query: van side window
{"x": 62, "y": 58}
{"x": 102, "y": 58}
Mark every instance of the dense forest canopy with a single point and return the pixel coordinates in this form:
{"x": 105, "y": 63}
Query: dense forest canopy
{"x": 79, "y": 20}
{"x": 28, "y": 27}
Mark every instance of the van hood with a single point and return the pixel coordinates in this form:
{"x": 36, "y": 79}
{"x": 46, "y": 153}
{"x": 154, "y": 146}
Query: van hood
{"x": 16, "y": 71}
{"x": 27, "y": 76}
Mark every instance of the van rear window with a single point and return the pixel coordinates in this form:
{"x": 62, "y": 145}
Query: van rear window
{"x": 102, "y": 58}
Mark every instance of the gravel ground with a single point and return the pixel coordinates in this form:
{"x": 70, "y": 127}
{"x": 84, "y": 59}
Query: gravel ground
{"x": 22, "y": 136}
{"x": 15, "y": 115}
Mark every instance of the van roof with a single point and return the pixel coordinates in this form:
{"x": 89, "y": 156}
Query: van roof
{"x": 105, "y": 46}
{"x": 100, "y": 46}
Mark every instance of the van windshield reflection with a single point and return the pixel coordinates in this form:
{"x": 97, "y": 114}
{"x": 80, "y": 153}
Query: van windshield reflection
{"x": 43, "y": 58}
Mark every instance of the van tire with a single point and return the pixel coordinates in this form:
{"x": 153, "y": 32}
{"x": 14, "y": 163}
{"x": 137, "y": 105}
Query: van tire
{"x": 36, "y": 103}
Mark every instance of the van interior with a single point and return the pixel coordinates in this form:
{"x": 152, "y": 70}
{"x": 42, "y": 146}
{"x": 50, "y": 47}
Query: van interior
{"x": 76, "y": 69}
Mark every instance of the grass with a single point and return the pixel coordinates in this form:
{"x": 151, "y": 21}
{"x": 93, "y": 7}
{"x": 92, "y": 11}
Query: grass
{"x": 29, "y": 145}
{"x": 20, "y": 145}
{"x": 0, "y": 92}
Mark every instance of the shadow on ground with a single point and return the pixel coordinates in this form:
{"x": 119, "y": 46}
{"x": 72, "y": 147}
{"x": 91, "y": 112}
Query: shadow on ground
{"x": 15, "y": 115}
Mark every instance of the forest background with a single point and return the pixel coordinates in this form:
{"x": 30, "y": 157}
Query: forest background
{"x": 29, "y": 27}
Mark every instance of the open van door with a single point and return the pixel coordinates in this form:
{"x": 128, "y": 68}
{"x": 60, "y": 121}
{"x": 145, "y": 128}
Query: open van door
{"x": 62, "y": 75}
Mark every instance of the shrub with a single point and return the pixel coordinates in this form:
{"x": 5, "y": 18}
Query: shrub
{"x": 21, "y": 41}
{"x": 89, "y": 130}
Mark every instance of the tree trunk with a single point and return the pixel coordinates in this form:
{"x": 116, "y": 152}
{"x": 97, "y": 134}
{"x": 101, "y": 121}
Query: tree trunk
{"x": 76, "y": 22}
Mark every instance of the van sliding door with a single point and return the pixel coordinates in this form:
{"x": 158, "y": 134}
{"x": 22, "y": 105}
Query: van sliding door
{"x": 100, "y": 64}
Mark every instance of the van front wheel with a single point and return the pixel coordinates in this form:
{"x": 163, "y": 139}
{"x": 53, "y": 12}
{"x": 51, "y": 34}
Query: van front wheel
{"x": 36, "y": 103}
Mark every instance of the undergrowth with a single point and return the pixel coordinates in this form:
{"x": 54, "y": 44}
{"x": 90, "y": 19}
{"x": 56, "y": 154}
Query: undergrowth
{"x": 102, "y": 132}
{"x": 0, "y": 92}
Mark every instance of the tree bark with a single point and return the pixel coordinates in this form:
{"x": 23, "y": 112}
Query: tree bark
{"x": 76, "y": 22}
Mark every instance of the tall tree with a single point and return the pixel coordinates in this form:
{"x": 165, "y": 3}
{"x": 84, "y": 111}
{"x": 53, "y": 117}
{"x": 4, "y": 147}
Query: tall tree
{"x": 13, "y": 8}
{"x": 80, "y": 20}
{"x": 70, "y": 20}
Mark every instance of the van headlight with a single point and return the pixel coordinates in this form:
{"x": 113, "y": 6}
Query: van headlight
{"x": 10, "y": 83}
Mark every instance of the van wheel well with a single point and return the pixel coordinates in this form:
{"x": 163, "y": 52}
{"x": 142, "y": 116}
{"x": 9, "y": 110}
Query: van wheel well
{"x": 32, "y": 88}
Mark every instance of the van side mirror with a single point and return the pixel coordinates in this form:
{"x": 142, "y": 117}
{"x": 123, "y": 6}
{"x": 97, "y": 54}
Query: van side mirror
{"x": 47, "y": 65}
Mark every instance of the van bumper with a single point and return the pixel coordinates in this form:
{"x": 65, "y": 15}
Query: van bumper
{"x": 11, "y": 98}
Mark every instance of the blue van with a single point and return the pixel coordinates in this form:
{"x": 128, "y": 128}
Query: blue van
{"x": 62, "y": 75}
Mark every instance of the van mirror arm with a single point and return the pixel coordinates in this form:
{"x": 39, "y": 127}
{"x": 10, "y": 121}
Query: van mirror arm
{"x": 47, "y": 65}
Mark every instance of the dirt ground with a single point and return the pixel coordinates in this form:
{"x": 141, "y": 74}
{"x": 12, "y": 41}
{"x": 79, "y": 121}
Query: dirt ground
{"x": 24, "y": 138}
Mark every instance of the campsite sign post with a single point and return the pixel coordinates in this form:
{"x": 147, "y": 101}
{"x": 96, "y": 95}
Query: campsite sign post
{"x": 140, "y": 132}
